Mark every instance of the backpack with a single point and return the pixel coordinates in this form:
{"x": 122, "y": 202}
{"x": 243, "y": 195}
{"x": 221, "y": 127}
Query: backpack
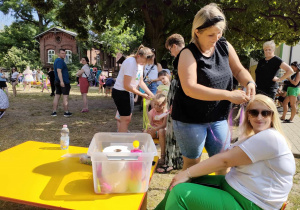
{"x": 91, "y": 77}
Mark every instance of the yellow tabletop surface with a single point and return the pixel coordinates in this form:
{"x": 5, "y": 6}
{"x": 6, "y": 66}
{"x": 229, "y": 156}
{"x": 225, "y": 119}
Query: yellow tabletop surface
{"x": 34, "y": 173}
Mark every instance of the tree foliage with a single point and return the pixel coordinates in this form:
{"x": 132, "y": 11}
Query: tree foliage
{"x": 17, "y": 46}
{"x": 18, "y": 35}
{"x": 250, "y": 22}
{"x": 118, "y": 38}
{"x": 20, "y": 58}
{"x": 24, "y": 10}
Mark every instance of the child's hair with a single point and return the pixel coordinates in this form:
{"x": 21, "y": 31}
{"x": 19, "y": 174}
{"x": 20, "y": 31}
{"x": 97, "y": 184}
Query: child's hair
{"x": 162, "y": 73}
{"x": 160, "y": 98}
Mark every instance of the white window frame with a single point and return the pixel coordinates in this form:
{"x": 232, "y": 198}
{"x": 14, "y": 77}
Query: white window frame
{"x": 68, "y": 58}
{"x": 98, "y": 59}
{"x": 50, "y": 54}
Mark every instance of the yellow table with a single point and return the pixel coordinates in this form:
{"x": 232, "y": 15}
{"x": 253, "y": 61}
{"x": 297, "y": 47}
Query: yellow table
{"x": 34, "y": 173}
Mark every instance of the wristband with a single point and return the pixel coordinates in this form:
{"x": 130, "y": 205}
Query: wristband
{"x": 252, "y": 83}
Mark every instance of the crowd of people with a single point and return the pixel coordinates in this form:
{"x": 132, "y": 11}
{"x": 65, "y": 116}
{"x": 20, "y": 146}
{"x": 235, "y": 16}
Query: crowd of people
{"x": 188, "y": 109}
{"x": 199, "y": 99}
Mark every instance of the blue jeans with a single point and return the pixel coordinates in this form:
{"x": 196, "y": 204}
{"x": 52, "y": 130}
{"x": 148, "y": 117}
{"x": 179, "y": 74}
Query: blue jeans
{"x": 153, "y": 87}
{"x": 191, "y": 138}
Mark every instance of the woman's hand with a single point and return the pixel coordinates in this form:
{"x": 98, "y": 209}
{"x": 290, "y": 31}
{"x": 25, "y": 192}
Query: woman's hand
{"x": 181, "y": 177}
{"x": 238, "y": 97}
{"x": 146, "y": 96}
{"x": 250, "y": 90}
{"x": 275, "y": 79}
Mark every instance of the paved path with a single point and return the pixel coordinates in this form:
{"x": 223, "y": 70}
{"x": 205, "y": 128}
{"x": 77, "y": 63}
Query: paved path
{"x": 292, "y": 132}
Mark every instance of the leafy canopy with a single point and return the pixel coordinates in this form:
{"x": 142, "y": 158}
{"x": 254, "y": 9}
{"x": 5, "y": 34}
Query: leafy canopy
{"x": 250, "y": 22}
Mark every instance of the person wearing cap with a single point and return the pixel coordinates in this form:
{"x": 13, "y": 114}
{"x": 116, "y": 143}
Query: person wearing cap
{"x": 293, "y": 91}
{"x": 202, "y": 102}
{"x": 266, "y": 70}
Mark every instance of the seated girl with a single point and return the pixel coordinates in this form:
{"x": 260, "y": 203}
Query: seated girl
{"x": 262, "y": 168}
{"x": 158, "y": 123}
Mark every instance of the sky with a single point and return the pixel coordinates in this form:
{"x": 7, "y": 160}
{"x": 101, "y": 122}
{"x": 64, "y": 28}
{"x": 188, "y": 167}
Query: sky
{"x": 8, "y": 19}
{"x": 5, "y": 20}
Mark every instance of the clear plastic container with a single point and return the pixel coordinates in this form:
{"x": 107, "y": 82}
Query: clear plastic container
{"x": 119, "y": 170}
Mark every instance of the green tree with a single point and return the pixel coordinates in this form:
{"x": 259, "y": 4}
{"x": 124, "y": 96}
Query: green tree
{"x": 118, "y": 38}
{"x": 17, "y": 46}
{"x": 24, "y": 10}
{"x": 21, "y": 57}
{"x": 250, "y": 22}
{"x": 18, "y": 35}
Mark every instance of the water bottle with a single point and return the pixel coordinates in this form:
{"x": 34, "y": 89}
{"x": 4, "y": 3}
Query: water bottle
{"x": 64, "y": 139}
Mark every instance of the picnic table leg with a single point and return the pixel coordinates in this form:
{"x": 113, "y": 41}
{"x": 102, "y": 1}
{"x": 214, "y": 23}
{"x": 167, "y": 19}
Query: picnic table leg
{"x": 144, "y": 204}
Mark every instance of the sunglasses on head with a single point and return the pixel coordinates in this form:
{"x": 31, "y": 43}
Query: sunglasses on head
{"x": 264, "y": 113}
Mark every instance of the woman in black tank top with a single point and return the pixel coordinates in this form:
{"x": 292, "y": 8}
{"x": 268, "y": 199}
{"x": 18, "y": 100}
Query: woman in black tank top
{"x": 293, "y": 91}
{"x": 202, "y": 101}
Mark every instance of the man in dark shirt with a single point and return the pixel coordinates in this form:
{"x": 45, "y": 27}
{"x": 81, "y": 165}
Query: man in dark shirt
{"x": 62, "y": 83}
{"x": 51, "y": 76}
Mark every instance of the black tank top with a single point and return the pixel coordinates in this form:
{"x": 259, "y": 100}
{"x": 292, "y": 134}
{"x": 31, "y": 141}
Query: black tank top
{"x": 212, "y": 72}
{"x": 293, "y": 78}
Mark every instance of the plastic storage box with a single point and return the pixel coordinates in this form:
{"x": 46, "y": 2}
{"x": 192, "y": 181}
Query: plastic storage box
{"x": 119, "y": 170}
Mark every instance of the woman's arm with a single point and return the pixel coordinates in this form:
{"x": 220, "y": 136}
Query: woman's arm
{"x": 297, "y": 79}
{"x": 221, "y": 161}
{"x": 80, "y": 72}
{"x": 240, "y": 73}
{"x": 187, "y": 71}
{"x": 129, "y": 88}
{"x": 288, "y": 72}
{"x": 145, "y": 88}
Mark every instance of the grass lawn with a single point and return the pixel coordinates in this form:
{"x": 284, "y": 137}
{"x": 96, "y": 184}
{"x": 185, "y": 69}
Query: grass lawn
{"x": 28, "y": 118}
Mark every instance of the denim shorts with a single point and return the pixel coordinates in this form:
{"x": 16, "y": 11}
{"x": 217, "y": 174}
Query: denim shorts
{"x": 153, "y": 87}
{"x": 191, "y": 138}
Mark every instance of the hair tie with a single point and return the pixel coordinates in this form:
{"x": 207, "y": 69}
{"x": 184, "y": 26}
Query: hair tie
{"x": 210, "y": 22}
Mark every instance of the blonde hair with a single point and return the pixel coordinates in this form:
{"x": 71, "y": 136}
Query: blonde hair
{"x": 269, "y": 44}
{"x": 246, "y": 127}
{"x": 145, "y": 52}
{"x": 208, "y": 12}
{"x": 161, "y": 98}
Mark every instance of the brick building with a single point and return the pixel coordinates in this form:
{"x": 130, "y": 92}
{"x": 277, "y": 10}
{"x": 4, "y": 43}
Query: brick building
{"x": 54, "y": 39}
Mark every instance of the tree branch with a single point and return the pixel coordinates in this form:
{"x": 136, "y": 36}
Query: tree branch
{"x": 254, "y": 37}
{"x": 287, "y": 19}
{"x": 234, "y": 9}
{"x": 26, "y": 19}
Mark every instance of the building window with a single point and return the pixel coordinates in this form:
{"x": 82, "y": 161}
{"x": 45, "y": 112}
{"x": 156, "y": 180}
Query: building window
{"x": 98, "y": 60}
{"x": 68, "y": 58}
{"x": 51, "y": 54}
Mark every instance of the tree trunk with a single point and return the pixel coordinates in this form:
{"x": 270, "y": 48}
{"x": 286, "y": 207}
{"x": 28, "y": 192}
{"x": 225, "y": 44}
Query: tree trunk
{"x": 154, "y": 34}
{"x": 41, "y": 24}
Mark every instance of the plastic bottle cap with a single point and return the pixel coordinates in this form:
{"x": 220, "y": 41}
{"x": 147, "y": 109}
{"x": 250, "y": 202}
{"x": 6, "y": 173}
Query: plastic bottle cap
{"x": 136, "y": 144}
{"x": 65, "y": 126}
